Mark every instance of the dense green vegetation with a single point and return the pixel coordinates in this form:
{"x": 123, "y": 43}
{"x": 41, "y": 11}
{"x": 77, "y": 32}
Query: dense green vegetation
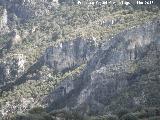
{"x": 33, "y": 91}
{"x": 40, "y": 114}
{"x": 69, "y": 21}
{"x": 66, "y": 23}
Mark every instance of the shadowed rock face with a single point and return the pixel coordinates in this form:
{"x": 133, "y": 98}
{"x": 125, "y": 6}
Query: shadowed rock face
{"x": 62, "y": 58}
{"x": 113, "y": 68}
{"x": 68, "y": 55}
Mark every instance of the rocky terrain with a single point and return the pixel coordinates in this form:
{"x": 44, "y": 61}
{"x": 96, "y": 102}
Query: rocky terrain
{"x": 117, "y": 64}
{"x": 60, "y": 60}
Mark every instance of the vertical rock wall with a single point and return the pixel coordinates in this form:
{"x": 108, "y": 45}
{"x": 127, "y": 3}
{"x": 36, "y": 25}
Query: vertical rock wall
{"x": 12, "y": 68}
{"x": 3, "y": 19}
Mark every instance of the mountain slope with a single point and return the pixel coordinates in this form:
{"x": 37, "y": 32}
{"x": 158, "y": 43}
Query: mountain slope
{"x": 77, "y": 58}
{"x": 115, "y": 75}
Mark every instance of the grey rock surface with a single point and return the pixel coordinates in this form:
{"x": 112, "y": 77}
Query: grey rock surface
{"x": 109, "y": 71}
{"x": 68, "y": 55}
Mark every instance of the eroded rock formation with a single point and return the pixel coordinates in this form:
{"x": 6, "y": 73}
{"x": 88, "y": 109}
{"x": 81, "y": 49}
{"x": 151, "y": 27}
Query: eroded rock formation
{"x": 113, "y": 68}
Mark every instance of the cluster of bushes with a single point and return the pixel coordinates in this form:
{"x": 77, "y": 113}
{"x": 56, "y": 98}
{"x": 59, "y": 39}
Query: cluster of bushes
{"x": 39, "y": 113}
{"x": 33, "y": 90}
{"x": 124, "y": 114}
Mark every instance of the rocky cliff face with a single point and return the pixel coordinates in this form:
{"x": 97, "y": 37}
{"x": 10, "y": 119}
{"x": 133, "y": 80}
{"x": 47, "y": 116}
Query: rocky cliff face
{"x": 69, "y": 55}
{"x": 12, "y": 69}
{"x": 113, "y": 68}
{"x": 3, "y": 20}
{"x": 44, "y": 63}
{"x": 61, "y": 58}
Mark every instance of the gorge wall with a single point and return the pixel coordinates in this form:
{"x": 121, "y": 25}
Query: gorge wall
{"x": 120, "y": 63}
{"x": 115, "y": 70}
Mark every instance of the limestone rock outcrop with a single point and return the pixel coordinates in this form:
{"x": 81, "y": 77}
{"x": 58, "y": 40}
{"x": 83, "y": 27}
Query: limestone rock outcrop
{"x": 12, "y": 68}
{"x": 3, "y": 21}
{"x": 116, "y": 66}
{"x": 68, "y": 55}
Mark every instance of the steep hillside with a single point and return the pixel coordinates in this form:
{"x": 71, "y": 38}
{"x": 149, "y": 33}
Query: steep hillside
{"x": 115, "y": 75}
{"x": 66, "y": 57}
